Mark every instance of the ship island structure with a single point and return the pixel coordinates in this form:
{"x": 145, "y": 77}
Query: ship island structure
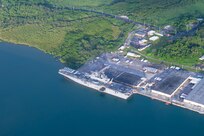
{"x": 123, "y": 74}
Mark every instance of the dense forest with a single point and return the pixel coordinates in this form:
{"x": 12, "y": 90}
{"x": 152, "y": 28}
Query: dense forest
{"x": 77, "y": 36}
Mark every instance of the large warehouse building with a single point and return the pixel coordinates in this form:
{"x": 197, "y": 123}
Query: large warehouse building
{"x": 195, "y": 98}
{"x": 167, "y": 83}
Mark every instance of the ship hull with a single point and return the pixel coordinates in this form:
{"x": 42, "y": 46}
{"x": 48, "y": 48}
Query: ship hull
{"x": 96, "y": 87}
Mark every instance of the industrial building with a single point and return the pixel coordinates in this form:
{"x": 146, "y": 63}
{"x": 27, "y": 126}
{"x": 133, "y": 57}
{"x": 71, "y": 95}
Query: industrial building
{"x": 141, "y": 34}
{"x": 166, "y": 84}
{"x": 154, "y": 38}
{"x": 143, "y": 42}
{"x": 130, "y": 54}
{"x": 195, "y": 99}
{"x": 151, "y": 33}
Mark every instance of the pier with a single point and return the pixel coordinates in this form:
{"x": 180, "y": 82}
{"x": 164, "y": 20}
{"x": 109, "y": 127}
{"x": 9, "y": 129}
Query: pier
{"x": 122, "y": 77}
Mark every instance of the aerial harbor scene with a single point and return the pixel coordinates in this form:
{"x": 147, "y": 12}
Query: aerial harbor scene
{"x": 123, "y": 74}
{"x": 101, "y": 67}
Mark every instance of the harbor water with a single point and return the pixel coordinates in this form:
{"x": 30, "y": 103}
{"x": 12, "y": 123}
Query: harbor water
{"x": 36, "y": 101}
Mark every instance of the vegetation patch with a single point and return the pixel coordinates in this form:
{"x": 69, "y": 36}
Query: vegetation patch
{"x": 186, "y": 51}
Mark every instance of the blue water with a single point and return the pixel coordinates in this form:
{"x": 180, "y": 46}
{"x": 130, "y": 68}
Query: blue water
{"x": 36, "y": 101}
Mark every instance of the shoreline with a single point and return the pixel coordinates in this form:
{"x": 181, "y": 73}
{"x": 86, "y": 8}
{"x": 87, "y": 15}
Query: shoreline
{"x": 32, "y": 46}
{"x": 135, "y": 92}
{"x": 23, "y": 44}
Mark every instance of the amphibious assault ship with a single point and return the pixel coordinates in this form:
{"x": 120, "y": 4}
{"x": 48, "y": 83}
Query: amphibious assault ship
{"x": 103, "y": 85}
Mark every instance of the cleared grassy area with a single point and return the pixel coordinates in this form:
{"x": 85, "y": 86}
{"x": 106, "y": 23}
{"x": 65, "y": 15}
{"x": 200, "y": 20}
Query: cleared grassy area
{"x": 43, "y": 37}
{"x": 47, "y": 37}
{"x": 103, "y": 28}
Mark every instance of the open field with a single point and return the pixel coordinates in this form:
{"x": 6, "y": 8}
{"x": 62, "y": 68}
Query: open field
{"x": 40, "y": 36}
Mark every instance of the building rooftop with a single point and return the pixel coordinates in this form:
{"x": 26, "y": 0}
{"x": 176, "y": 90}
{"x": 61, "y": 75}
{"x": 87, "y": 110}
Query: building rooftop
{"x": 202, "y": 58}
{"x": 169, "y": 81}
{"x": 140, "y": 33}
{"x": 197, "y": 94}
{"x": 126, "y": 78}
{"x": 153, "y": 38}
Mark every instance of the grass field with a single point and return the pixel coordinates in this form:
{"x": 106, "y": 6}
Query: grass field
{"x": 40, "y": 36}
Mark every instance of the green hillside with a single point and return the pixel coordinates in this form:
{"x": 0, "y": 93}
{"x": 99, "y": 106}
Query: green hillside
{"x": 76, "y": 36}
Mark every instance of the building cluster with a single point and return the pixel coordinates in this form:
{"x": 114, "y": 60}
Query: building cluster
{"x": 179, "y": 87}
{"x": 144, "y": 37}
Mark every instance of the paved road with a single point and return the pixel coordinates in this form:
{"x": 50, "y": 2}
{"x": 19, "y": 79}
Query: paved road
{"x": 187, "y": 33}
{"x": 51, "y": 6}
{"x": 173, "y": 38}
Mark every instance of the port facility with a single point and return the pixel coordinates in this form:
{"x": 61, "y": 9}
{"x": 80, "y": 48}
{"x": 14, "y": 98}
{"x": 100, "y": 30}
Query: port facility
{"x": 120, "y": 76}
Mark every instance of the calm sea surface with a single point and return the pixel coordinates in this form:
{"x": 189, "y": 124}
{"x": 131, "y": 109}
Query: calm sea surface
{"x": 36, "y": 101}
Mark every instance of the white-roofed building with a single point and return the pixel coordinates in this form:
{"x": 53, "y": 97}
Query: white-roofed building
{"x": 130, "y": 54}
{"x": 154, "y": 38}
{"x": 201, "y": 58}
{"x": 140, "y": 34}
{"x": 158, "y": 34}
{"x": 122, "y": 48}
{"x": 195, "y": 98}
{"x": 143, "y": 42}
{"x": 125, "y": 17}
{"x": 151, "y": 33}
